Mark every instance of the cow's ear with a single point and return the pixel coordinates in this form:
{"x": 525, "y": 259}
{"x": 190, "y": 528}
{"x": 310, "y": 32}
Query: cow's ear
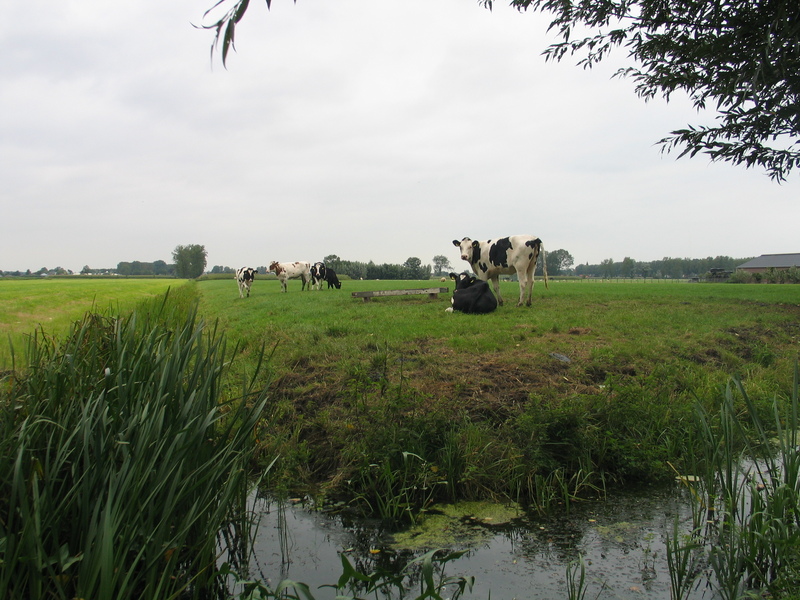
{"x": 456, "y": 243}
{"x": 475, "y": 243}
{"x": 453, "y": 276}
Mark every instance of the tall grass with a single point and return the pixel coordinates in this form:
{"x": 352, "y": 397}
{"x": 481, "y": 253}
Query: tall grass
{"x": 119, "y": 466}
{"x": 746, "y": 499}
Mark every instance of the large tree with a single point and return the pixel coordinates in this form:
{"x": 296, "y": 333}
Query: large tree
{"x": 414, "y": 269}
{"x": 559, "y": 261}
{"x": 190, "y": 261}
{"x": 441, "y": 264}
{"x": 739, "y": 57}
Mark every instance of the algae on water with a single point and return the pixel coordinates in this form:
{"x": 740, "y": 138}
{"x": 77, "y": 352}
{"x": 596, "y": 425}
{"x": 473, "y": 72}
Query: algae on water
{"x": 456, "y": 525}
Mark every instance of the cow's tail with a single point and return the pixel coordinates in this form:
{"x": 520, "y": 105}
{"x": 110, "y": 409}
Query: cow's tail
{"x": 544, "y": 263}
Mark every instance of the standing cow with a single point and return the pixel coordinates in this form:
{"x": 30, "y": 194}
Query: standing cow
{"x": 332, "y": 279}
{"x": 514, "y": 254}
{"x": 317, "y": 275}
{"x": 472, "y": 295}
{"x": 292, "y": 270}
{"x": 245, "y": 277}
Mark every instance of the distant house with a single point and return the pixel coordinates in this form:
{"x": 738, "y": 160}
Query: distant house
{"x": 770, "y": 261}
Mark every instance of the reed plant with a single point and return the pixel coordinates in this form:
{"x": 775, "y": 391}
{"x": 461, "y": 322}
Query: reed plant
{"x": 426, "y": 571}
{"x": 746, "y": 497}
{"x": 577, "y": 586}
{"x": 682, "y": 563}
{"x": 119, "y": 465}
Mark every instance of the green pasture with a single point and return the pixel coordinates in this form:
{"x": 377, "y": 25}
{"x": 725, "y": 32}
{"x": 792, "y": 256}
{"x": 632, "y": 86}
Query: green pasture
{"x": 615, "y": 327}
{"x": 596, "y": 379}
{"x": 52, "y": 304}
{"x": 597, "y": 382}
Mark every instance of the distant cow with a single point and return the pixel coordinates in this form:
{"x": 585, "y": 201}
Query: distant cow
{"x": 317, "y": 275}
{"x": 515, "y": 254}
{"x": 245, "y": 277}
{"x": 332, "y": 279}
{"x": 292, "y": 270}
{"x": 471, "y": 295}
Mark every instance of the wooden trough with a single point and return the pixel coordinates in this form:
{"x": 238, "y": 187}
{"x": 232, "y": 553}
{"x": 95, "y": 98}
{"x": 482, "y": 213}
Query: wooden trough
{"x": 433, "y": 293}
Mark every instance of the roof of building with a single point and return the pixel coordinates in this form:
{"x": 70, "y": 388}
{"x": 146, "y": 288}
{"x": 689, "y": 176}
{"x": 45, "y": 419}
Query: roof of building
{"x": 778, "y": 261}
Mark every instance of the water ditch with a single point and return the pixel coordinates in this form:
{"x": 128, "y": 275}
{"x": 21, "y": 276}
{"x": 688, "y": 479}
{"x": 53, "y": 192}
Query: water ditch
{"x": 512, "y": 555}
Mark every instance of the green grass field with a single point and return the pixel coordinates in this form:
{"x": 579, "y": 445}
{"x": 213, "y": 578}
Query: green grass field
{"x": 390, "y": 406}
{"x": 597, "y": 377}
{"x": 53, "y": 304}
{"x": 593, "y": 378}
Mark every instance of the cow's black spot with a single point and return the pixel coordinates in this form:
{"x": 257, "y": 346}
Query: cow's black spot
{"x": 476, "y": 253}
{"x": 483, "y": 267}
{"x": 534, "y": 243}
{"x": 498, "y": 252}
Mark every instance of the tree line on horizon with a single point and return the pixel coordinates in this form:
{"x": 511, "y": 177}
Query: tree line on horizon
{"x": 666, "y": 268}
{"x": 190, "y": 263}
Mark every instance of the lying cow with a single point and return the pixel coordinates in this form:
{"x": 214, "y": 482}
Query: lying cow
{"x": 471, "y": 296}
{"x": 332, "y": 279}
{"x": 317, "y": 275}
{"x": 245, "y": 277}
{"x": 515, "y": 254}
{"x": 292, "y": 270}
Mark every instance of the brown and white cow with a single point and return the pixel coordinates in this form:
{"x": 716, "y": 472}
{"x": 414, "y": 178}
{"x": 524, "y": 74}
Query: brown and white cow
{"x": 292, "y": 270}
{"x": 514, "y": 254}
{"x": 245, "y": 277}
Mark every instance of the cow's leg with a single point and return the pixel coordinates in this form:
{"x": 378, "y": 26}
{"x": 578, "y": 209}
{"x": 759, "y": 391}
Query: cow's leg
{"x": 496, "y": 286}
{"x": 526, "y": 294}
{"x": 523, "y": 286}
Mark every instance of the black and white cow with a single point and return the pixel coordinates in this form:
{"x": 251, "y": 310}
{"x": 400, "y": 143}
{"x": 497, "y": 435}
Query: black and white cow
{"x": 317, "y": 275}
{"x": 332, "y": 279}
{"x": 514, "y": 254}
{"x": 245, "y": 277}
{"x": 472, "y": 295}
{"x": 292, "y": 270}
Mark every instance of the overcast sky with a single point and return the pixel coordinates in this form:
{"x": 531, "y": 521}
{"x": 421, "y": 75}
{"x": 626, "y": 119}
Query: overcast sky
{"x": 370, "y": 129}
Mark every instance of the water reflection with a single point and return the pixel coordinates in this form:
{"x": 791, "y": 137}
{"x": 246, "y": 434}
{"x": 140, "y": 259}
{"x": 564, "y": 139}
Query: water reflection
{"x": 622, "y": 541}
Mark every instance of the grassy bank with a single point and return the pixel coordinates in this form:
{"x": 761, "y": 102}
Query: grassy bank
{"x": 53, "y": 304}
{"x": 595, "y": 384}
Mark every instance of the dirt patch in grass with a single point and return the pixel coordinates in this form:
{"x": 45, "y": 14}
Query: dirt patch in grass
{"x": 492, "y": 386}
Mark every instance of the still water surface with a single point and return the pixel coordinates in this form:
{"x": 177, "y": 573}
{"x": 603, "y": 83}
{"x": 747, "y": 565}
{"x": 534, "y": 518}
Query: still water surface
{"x": 622, "y": 540}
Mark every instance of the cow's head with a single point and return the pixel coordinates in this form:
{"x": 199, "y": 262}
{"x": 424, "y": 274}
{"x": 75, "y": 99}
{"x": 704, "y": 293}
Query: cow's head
{"x": 470, "y": 249}
{"x": 463, "y": 280}
{"x": 276, "y": 267}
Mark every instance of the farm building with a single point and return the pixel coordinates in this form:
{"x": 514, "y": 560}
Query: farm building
{"x": 770, "y": 261}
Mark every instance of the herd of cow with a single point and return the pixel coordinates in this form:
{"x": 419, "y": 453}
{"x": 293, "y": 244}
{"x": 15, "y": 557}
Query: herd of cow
{"x": 516, "y": 254}
{"x": 310, "y": 275}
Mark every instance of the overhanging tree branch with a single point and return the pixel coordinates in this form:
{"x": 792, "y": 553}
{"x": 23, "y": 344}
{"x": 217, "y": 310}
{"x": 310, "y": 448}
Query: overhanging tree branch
{"x": 739, "y": 57}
